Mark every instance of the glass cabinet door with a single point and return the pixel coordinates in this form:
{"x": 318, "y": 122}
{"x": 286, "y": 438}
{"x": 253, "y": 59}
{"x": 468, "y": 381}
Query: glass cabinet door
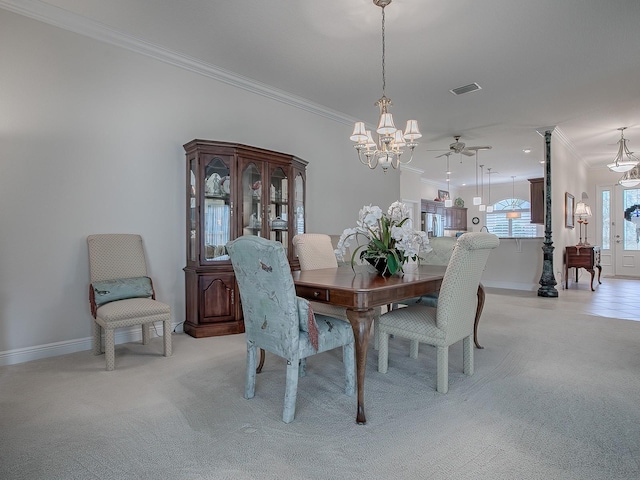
{"x": 252, "y": 201}
{"x": 216, "y": 209}
{"x": 192, "y": 241}
{"x": 298, "y": 204}
{"x": 278, "y": 207}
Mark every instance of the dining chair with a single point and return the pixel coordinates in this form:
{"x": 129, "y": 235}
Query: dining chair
{"x": 278, "y": 321}
{"x": 120, "y": 292}
{"x": 315, "y": 251}
{"x": 453, "y": 319}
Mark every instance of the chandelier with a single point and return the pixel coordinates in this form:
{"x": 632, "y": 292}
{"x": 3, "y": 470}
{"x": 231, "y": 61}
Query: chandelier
{"x": 625, "y": 160}
{"x": 391, "y": 141}
{"x": 630, "y": 178}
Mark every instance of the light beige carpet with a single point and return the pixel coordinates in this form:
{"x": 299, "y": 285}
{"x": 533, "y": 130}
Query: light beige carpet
{"x": 554, "y": 396}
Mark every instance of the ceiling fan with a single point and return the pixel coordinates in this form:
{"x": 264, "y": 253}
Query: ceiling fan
{"x": 459, "y": 147}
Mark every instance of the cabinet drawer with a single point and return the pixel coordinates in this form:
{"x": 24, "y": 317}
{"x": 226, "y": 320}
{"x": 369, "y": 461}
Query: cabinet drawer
{"x": 318, "y": 294}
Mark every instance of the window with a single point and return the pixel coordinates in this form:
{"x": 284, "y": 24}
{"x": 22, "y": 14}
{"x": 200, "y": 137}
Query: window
{"x": 498, "y": 223}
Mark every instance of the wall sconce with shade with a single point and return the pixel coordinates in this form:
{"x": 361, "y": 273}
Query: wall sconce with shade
{"x": 583, "y": 212}
{"x": 625, "y": 160}
{"x": 387, "y": 151}
{"x": 513, "y": 213}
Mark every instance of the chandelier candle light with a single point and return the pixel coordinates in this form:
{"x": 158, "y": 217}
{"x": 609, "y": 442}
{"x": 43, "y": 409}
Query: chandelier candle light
{"x": 391, "y": 141}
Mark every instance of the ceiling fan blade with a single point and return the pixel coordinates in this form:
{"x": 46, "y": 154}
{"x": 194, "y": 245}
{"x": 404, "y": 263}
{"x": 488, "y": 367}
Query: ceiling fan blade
{"x": 480, "y": 147}
{"x": 468, "y": 153}
{"x": 444, "y": 154}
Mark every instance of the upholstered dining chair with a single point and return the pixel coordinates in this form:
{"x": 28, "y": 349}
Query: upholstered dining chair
{"x": 278, "y": 321}
{"x": 453, "y": 319}
{"x": 315, "y": 251}
{"x": 121, "y": 294}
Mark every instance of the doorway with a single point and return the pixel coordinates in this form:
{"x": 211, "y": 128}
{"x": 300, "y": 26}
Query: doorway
{"x": 620, "y": 230}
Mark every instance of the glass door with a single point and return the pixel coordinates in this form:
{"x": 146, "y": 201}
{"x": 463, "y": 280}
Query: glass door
{"x": 216, "y": 213}
{"x": 627, "y": 231}
{"x": 252, "y": 213}
{"x": 298, "y": 204}
{"x": 279, "y": 207}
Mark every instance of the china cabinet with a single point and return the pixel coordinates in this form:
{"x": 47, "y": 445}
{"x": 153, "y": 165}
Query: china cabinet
{"x": 234, "y": 190}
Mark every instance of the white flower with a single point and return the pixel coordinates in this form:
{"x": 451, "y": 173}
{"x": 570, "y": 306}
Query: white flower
{"x": 389, "y": 236}
{"x": 369, "y": 215}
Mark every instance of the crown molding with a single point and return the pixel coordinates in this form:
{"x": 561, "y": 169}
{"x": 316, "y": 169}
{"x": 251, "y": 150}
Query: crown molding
{"x": 72, "y": 22}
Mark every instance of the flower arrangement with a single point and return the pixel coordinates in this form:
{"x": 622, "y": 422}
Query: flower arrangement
{"x": 391, "y": 241}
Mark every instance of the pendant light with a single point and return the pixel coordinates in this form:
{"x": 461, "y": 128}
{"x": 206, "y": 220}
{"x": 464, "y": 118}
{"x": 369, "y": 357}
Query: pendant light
{"x": 489, "y": 206}
{"x": 477, "y": 200}
{"x": 482, "y": 207}
{"x": 448, "y": 202}
{"x": 513, "y": 213}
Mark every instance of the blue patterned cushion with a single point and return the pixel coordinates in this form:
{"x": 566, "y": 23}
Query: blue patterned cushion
{"x": 121, "y": 288}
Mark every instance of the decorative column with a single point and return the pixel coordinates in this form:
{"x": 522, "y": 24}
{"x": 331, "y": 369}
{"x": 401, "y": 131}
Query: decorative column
{"x": 547, "y": 280}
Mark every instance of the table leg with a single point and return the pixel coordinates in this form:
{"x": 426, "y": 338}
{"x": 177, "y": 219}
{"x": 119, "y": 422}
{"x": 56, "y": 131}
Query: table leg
{"x": 481, "y": 296}
{"x": 593, "y": 274}
{"x": 361, "y": 325}
{"x": 599, "y": 273}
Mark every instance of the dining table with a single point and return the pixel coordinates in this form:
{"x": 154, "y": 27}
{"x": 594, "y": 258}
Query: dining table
{"x": 361, "y": 289}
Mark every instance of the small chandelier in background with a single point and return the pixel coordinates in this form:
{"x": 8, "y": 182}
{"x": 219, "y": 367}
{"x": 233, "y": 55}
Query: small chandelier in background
{"x": 513, "y": 213}
{"x": 391, "y": 141}
{"x": 625, "y": 160}
{"x": 630, "y": 178}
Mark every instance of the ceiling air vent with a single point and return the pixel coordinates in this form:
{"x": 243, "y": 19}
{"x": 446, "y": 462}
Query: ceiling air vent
{"x": 472, "y": 87}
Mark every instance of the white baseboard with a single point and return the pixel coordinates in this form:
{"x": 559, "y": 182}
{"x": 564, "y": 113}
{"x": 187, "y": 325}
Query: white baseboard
{"x": 37, "y": 352}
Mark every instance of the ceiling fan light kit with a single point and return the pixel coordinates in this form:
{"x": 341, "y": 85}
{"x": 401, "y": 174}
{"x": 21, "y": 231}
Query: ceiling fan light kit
{"x": 387, "y": 151}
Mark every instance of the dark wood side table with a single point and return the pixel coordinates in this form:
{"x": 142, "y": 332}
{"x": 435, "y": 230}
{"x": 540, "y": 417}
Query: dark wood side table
{"x": 582, "y": 256}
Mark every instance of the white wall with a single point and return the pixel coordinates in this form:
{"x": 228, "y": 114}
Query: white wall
{"x": 91, "y": 142}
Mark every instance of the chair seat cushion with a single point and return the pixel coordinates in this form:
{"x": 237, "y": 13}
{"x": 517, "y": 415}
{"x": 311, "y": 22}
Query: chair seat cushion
{"x": 134, "y": 309}
{"x": 106, "y": 291}
{"x": 332, "y": 333}
{"x": 415, "y": 321}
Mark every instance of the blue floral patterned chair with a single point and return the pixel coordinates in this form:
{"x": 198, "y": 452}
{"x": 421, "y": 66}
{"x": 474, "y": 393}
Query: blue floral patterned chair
{"x": 453, "y": 319}
{"x": 278, "y": 321}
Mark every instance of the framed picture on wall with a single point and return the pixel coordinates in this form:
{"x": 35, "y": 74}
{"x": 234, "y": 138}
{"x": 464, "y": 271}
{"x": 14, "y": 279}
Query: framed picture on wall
{"x": 443, "y": 195}
{"x": 568, "y": 210}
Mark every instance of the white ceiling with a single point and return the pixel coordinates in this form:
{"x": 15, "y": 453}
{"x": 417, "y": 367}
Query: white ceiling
{"x": 573, "y": 64}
